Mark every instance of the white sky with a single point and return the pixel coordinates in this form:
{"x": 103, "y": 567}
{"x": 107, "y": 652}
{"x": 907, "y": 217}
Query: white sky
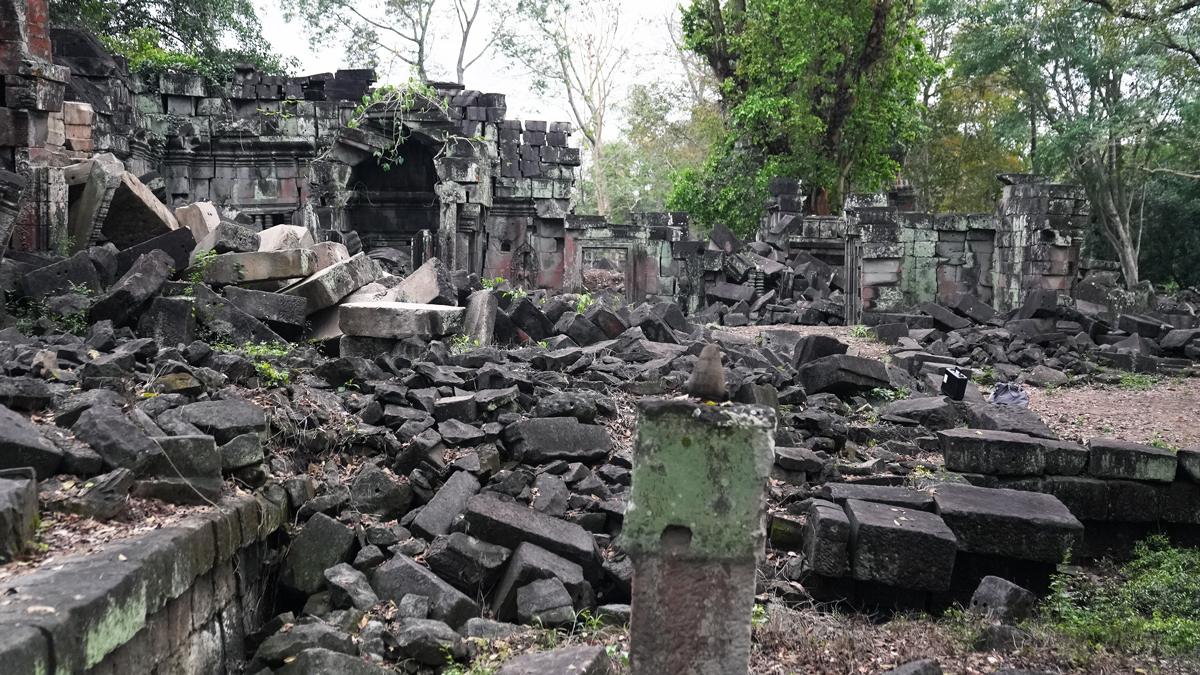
{"x": 645, "y": 32}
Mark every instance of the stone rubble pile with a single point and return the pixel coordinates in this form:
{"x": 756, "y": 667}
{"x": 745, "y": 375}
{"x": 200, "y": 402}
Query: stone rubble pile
{"x": 765, "y": 282}
{"x": 1050, "y": 340}
{"x": 456, "y": 458}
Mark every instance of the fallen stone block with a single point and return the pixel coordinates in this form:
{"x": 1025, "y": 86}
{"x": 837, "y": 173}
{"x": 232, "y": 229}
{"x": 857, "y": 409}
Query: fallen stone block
{"x": 227, "y": 237}
{"x": 398, "y": 320}
{"x": 102, "y": 497}
{"x": 1112, "y": 458}
{"x": 479, "y": 320}
{"x": 997, "y": 453}
{"x": 115, "y": 437}
{"x": 508, "y": 524}
{"x": 884, "y": 494}
{"x": 1010, "y": 523}
{"x": 279, "y": 311}
{"x": 402, "y": 576}
{"x": 1001, "y": 600}
{"x": 134, "y": 214}
{"x": 541, "y": 439}
{"x": 545, "y": 602}
{"x": 18, "y": 516}
{"x": 59, "y": 277}
{"x": 530, "y": 562}
{"x": 944, "y": 317}
{"x": 169, "y": 321}
{"x": 447, "y": 505}
{"x": 283, "y": 237}
{"x": 239, "y": 268}
{"x": 585, "y": 660}
{"x": 177, "y": 244}
{"x": 226, "y": 419}
{"x": 429, "y": 284}
{"x": 329, "y": 286}
{"x": 349, "y": 587}
{"x": 222, "y": 317}
{"x": 470, "y": 565}
{"x": 428, "y": 642}
{"x": 900, "y": 547}
{"x": 329, "y": 253}
{"x": 322, "y": 543}
{"x": 25, "y": 393}
{"x": 376, "y": 492}
{"x": 187, "y": 470}
{"x": 200, "y": 218}
{"x": 125, "y": 298}
{"x": 826, "y": 539}
{"x": 318, "y": 661}
{"x": 842, "y": 374}
{"x": 1189, "y": 461}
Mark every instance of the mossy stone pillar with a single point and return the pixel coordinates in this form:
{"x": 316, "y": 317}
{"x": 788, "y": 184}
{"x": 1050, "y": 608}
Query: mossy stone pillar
{"x": 694, "y": 529}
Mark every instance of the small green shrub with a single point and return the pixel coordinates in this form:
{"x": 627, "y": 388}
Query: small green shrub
{"x": 1137, "y": 381}
{"x": 584, "y": 301}
{"x": 888, "y": 395}
{"x": 460, "y": 344}
{"x": 862, "y": 332}
{"x": 1150, "y": 604}
{"x": 493, "y": 283}
{"x": 270, "y": 375}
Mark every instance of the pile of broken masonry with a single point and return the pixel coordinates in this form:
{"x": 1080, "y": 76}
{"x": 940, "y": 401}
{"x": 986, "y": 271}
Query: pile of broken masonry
{"x": 470, "y": 477}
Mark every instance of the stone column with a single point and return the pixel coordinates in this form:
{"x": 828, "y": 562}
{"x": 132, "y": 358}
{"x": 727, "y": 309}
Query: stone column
{"x": 694, "y": 530}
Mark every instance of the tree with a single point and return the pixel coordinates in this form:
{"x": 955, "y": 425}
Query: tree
{"x": 575, "y": 47}
{"x": 971, "y": 128}
{"x": 665, "y": 132}
{"x": 467, "y": 15}
{"x": 205, "y": 36}
{"x": 1106, "y": 94}
{"x": 824, "y": 91}
{"x": 395, "y": 29}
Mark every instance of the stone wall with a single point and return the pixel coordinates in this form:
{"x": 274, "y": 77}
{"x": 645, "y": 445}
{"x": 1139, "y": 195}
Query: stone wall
{"x": 181, "y": 599}
{"x": 1030, "y": 243}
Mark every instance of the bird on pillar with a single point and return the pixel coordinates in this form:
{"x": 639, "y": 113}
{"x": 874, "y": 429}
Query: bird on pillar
{"x": 708, "y": 377}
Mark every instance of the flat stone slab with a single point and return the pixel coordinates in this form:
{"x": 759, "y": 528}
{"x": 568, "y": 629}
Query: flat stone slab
{"x": 584, "y": 660}
{"x": 21, "y": 445}
{"x": 900, "y": 547}
{"x": 883, "y": 494}
{"x": 1010, "y": 523}
{"x": 1005, "y": 453}
{"x": 329, "y": 286}
{"x": 1112, "y": 458}
{"x": 508, "y": 524}
{"x": 842, "y": 374}
{"x": 542, "y": 439}
{"x": 237, "y": 268}
{"x": 399, "y": 320}
{"x": 402, "y": 576}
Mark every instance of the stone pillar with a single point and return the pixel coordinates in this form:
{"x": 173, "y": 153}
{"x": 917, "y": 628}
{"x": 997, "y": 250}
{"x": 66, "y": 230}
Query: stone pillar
{"x": 694, "y": 530}
{"x": 449, "y": 195}
{"x": 11, "y": 187}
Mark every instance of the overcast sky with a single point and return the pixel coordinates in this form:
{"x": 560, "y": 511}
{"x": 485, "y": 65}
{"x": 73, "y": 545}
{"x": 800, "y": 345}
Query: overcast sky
{"x": 643, "y": 27}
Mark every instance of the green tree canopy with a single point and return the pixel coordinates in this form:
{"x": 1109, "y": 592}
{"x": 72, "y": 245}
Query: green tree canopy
{"x": 205, "y": 36}
{"x": 825, "y": 91}
{"x": 1106, "y": 94}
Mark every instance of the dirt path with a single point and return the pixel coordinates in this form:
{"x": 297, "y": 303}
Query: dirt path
{"x": 1168, "y": 412}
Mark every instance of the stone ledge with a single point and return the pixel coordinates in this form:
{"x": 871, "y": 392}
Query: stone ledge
{"x": 68, "y": 616}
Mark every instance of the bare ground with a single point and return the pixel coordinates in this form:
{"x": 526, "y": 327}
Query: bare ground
{"x": 1168, "y": 412}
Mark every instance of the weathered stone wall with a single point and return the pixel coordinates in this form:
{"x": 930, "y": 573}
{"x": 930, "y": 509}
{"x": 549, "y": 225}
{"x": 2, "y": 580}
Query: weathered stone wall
{"x": 178, "y": 600}
{"x": 1030, "y": 243}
